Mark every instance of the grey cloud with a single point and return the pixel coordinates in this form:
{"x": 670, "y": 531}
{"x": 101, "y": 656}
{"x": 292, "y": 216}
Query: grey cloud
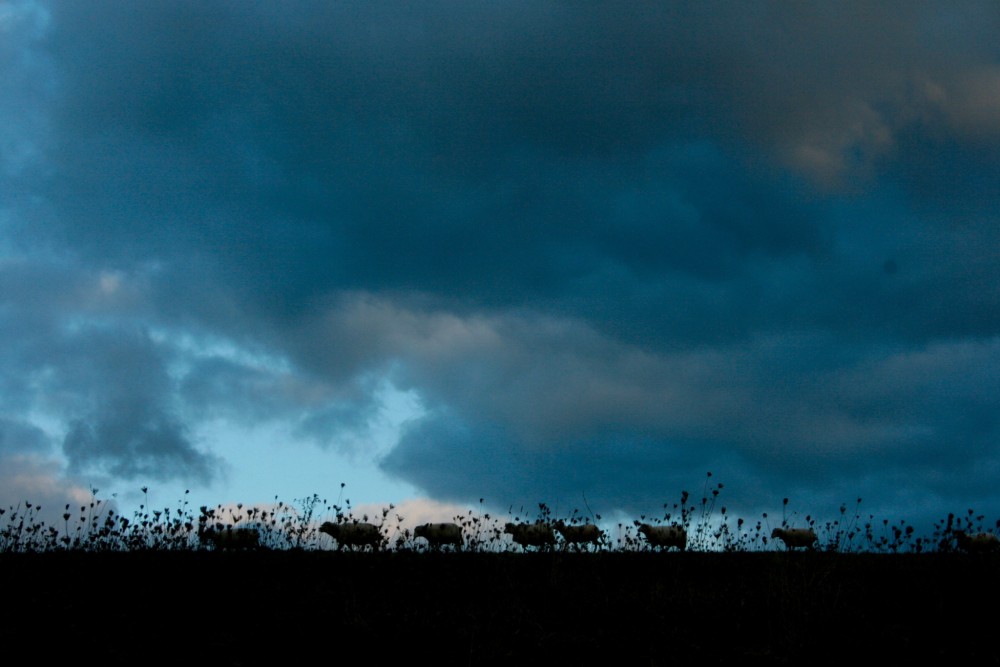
{"x": 20, "y": 436}
{"x": 77, "y": 354}
{"x": 128, "y": 425}
{"x": 553, "y": 416}
{"x": 128, "y": 445}
{"x": 327, "y": 412}
{"x": 219, "y": 387}
{"x": 549, "y": 379}
{"x": 343, "y": 418}
{"x": 612, "y": 472}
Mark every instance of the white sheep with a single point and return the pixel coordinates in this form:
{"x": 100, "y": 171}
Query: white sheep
{"x": 587, "y": 533}
{"x": 440, "y": 534}
{"x": 353, "y": 534}
{"x": 795, "y": 537}
{"x": 537, "y": 534}
{"x": 977, "y": 542}
{"x": 230, "y": 537}
{"x": 665, "y": 536}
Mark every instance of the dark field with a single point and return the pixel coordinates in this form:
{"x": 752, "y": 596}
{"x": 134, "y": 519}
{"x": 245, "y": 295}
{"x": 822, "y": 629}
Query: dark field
{"x": 646, "y": 608}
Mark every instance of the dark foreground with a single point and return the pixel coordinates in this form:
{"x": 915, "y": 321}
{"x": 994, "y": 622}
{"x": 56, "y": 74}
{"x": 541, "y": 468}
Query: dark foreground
{"x": 656, "y": 609}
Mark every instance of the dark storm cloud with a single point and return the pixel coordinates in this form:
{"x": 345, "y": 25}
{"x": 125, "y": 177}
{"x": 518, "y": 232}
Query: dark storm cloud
{"x": 389, "y": 148}
{"x": 608, "y": 246}
{"x": 16, "y": 436}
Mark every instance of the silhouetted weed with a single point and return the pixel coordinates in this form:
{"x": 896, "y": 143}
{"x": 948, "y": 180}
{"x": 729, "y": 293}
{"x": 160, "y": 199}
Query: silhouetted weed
{"x": 96, "y": 527}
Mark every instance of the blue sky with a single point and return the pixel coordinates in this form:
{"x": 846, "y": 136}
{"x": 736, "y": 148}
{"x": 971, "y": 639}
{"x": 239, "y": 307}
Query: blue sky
{"x": 521, "y": 251}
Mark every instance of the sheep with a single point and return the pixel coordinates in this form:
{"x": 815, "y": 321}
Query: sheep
{"x": 229, "y": 537}
{"x": 977, "y": 542}
{"x": 578, "y": 535}
{"x": 537, "y": 534}
{"x": 665, "y": 536}
{"x": 353, "y": 534}
{"x": 439, "y": 534}
{"x": 795, "y": 537}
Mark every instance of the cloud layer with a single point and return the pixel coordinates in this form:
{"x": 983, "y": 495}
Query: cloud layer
{"x": 608, "y": 247}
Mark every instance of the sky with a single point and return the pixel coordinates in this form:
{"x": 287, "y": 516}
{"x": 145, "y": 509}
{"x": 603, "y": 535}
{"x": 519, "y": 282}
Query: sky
{"x": 560, "y": 252}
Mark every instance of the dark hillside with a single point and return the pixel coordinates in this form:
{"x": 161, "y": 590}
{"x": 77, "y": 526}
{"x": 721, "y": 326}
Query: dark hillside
{"x": 492, "y": 608}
